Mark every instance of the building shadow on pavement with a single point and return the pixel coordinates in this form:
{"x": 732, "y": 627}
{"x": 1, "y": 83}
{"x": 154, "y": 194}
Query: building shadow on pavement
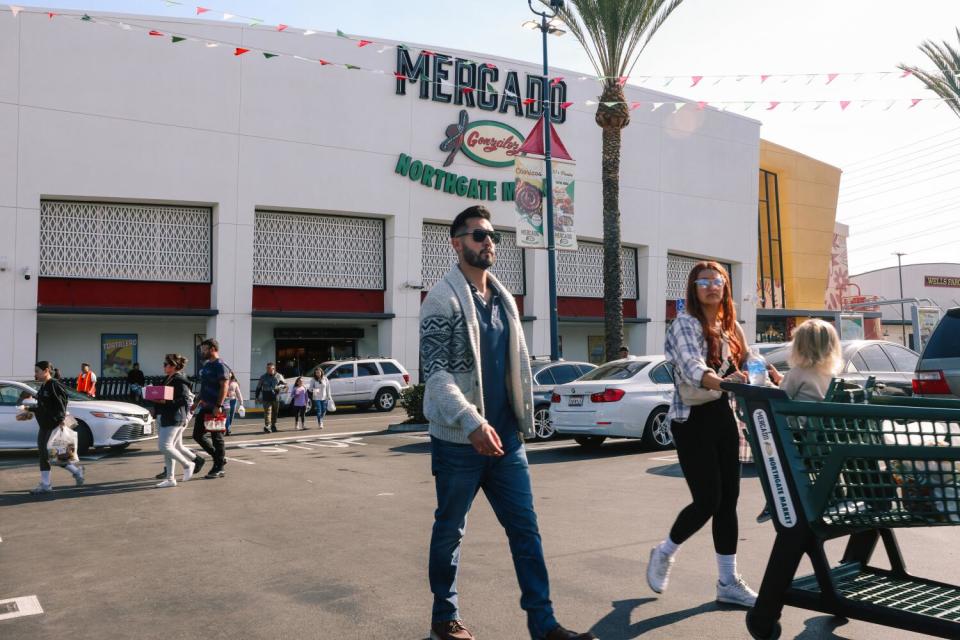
{"x": 616, "y": 625}
{"x": 14, "y": 498}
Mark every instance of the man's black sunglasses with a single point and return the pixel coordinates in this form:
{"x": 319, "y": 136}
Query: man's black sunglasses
{"x": 479, "y": 235}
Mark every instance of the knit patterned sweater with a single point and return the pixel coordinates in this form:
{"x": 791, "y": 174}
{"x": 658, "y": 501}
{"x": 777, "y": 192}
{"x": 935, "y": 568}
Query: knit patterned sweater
{"x": 450, "y": 360}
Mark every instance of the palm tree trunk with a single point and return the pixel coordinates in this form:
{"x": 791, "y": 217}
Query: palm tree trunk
{"x": 612, "y": 275}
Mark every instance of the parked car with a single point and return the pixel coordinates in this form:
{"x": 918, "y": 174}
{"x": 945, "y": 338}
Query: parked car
{"x": 546, "y": 376}
{"x": 938, "y": 370}
{"x": 366, "y": 382}
{"x": 891, "y": 364}
{"x": 626, "y": 398}
{"x": 100, "y": 423}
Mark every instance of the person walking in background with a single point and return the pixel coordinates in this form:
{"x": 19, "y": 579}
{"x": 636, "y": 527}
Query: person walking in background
{"x": 136, "y": 381}
{"x": 269, "y": 388}
{"x": 213, "y": 397}
{"x": 50, "y": 412}
{"x": 479, "y": 400}
{"x": 235, "y": 398}
{"x": 87, "y": 381}
{"x": 299, "y": 399}
{"x": 173, "y": 417}
{"x": 322, "y": 397}
{"x": 706, "y": 345}
{"x": 624, "y": 352}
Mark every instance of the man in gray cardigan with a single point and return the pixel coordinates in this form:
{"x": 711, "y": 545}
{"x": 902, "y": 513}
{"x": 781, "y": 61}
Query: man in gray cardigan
{"x": 479, "y": 402}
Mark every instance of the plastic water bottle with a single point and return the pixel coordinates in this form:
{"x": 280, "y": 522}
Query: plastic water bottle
{"x": 756, "y": 369}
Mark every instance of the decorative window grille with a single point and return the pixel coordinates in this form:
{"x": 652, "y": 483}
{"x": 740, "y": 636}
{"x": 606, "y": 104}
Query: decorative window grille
{"x": 439, "y": 256}
{"x": 125, "y": 241}
{"x": 678, "y": 269}
{"x": 308, "y": 250}
{"x": 580, "y": 272}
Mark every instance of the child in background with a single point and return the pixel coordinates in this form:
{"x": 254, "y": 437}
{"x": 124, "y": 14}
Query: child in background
{"x": 299, "y": 401}
{"x": 815, "y": 359}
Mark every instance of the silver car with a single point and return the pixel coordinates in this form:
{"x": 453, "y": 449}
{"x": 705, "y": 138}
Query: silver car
{"x": 938, "y": 371}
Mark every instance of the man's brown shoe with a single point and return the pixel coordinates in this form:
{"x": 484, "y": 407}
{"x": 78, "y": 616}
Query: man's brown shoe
{"x": 565, "y": 634}
{"x": 450, "y": 630}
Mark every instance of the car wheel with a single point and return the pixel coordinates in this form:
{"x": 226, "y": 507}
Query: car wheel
{"x": 590, "y": 442}
{"x": 542, "y": 424}
{"x": 84, "y": 439}
{"x": 386, "y": 400}
{"x": 656, "y": 434}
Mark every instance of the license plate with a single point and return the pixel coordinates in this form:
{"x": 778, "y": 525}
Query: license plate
{"x": 575, "y": 401}
{"x": 148, "y": 428}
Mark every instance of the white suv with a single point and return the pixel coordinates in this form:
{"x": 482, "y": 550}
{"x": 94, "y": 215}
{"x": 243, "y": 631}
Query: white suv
{"x": 363, "y": 382}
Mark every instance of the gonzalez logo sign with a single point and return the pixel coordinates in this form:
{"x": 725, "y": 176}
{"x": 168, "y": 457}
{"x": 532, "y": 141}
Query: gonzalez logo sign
{"x": 487, "y": 142}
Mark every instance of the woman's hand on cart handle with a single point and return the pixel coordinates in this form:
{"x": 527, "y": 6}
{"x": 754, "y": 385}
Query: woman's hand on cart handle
{"x": 712, "y": 381}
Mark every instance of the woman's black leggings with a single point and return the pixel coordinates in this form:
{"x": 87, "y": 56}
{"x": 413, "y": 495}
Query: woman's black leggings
{"x": 708, "y": 448}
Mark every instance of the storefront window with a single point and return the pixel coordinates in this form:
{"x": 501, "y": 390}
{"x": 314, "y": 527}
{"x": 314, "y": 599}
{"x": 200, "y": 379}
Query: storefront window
{"x": 772, "y": 330}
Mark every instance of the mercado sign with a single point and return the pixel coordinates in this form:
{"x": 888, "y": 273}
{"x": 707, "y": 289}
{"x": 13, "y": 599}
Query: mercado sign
{"x": 467, "y": 83}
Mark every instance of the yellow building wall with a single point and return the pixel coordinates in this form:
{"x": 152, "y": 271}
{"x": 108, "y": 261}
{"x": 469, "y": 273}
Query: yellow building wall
{"x": 808, "y": 207}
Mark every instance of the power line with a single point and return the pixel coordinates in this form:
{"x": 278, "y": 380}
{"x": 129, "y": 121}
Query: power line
{"x": 900, "y": 204}
{"x": 913, "y": 253}
{"x": 909, "y": 237}
{"x": 877, "y": 193}
{"x": 925, "y": 214}
{"x": 857, "y": 182}
{"x": 876, "y": 166}
{"x": 948, "y": 131}
{"x": 927, "y": 208}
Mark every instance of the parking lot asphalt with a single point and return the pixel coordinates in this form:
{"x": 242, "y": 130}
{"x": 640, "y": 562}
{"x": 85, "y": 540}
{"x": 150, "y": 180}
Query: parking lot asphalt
{"x": 315, "y": 535}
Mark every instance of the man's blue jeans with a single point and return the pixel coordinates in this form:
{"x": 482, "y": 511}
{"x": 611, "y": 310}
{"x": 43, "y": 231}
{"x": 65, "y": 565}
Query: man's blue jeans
{"x": 459, "y": 472}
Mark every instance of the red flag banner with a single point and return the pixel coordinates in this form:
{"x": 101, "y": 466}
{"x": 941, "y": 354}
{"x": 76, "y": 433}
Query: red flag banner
{"x": 844, "y": 104}
{"x": 831, "y": 77}
{"x": 239, "y": 51}
{"x": 773, "y": 105}
{"x": 696, "y": 80}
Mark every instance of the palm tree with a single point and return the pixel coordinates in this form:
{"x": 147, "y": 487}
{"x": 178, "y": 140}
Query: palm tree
{"x": 613, "y": 33}
{"x": 945, "y": 81}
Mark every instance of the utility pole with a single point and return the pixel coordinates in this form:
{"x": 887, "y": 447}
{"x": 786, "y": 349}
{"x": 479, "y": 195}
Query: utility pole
{"x": 903, "y": 318}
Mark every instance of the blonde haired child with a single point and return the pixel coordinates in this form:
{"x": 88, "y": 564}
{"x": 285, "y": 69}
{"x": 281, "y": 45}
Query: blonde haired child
{"x": 815, "y": 359}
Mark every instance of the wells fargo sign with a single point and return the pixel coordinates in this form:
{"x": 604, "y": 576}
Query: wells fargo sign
{"x": 942, "y": 281}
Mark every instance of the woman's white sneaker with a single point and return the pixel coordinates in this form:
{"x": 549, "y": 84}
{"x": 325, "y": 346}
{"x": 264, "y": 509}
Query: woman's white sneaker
{"x": 658, "y": 570}
{"x": 169, "y": 482}
{"x": 41, "y": 488}
{"x": 738, "y": 593}
{"x": 187, "y": 472}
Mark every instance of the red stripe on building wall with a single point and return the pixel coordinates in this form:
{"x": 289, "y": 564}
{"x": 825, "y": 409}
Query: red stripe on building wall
{"x": 517, "y": 299}
{"x": 590, "y": 307}
{"x": 121, "y": 294}
{"x": 306, "y": 299}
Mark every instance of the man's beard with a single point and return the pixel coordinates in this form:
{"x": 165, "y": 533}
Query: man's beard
{"x": 476, "y": 259}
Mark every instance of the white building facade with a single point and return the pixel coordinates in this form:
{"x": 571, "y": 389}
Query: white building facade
{"x": 929, "y": 285}
{"x": 159, "y": 193}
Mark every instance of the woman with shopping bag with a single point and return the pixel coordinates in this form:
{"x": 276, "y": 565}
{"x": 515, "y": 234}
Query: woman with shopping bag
{"x": 50, "y": 412}
{"x": 173, "y": 416}
{"x": 320, "y": 392}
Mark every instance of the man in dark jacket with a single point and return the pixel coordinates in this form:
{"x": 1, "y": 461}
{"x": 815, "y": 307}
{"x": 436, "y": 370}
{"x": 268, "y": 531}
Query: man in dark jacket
{"x": 136, "y": 381}
{"x": 214, "y": 375}
{"x": 269, "y": 388}
{"x": 50, "y": 411}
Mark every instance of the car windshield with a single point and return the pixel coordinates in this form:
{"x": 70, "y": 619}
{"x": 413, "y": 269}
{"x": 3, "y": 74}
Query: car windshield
{"x": 620, "y": 370}
{"x": 73, "y": 396}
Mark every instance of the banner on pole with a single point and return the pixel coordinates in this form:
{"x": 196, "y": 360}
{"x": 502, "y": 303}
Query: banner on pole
{"x": 530, "y": 203}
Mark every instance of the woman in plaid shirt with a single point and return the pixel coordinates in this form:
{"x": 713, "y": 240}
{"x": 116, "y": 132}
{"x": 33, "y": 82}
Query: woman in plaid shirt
{"x": 706, "y": 346}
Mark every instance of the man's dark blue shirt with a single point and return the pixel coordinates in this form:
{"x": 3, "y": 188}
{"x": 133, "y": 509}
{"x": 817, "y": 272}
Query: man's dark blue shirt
{"x": 212, "y": 374}
{"x": 494, "y": 367}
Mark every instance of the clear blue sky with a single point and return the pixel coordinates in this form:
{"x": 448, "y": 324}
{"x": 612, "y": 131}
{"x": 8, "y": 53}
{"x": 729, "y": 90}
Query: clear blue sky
{"x": 898, "y": 164}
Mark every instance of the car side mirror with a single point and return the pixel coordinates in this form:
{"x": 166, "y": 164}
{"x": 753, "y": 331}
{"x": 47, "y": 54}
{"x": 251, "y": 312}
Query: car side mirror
{"x": 29, "y": 403}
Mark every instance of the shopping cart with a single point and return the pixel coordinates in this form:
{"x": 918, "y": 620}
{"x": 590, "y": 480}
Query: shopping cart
{"x": 860, "y": 470}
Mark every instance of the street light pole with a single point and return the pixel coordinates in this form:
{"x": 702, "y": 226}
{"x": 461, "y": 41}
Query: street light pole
{"x": 903, "y": 318}
{"x": 555, "y": 353}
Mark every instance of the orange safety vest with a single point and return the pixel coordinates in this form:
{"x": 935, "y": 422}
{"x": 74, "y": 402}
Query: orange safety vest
{"x": 85, "y": 384}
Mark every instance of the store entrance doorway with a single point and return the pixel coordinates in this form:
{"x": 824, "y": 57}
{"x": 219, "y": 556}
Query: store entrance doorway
{"x": 299, "y": 357}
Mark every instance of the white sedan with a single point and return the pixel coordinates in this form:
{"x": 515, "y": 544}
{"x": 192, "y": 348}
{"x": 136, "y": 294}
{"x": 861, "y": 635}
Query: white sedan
{"x": 100, "y": 423}
{"x": 626, "y": 398}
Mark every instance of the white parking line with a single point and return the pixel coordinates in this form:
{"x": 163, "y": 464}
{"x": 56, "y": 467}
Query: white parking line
{"x": 19, "y": 607}
{"x": 239, "y": 460}
{"x": 296, "y": 438}
{"x": 667, "y": 459}
{"x": 296, "y": 446}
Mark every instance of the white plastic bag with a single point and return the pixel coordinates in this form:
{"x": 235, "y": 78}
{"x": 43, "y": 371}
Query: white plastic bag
{"x": 62, "y": 446}
{"x": 241, "y": 411}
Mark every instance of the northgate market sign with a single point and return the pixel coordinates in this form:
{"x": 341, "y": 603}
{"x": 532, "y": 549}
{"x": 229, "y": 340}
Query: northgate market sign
{"x": 472, "y": 85}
